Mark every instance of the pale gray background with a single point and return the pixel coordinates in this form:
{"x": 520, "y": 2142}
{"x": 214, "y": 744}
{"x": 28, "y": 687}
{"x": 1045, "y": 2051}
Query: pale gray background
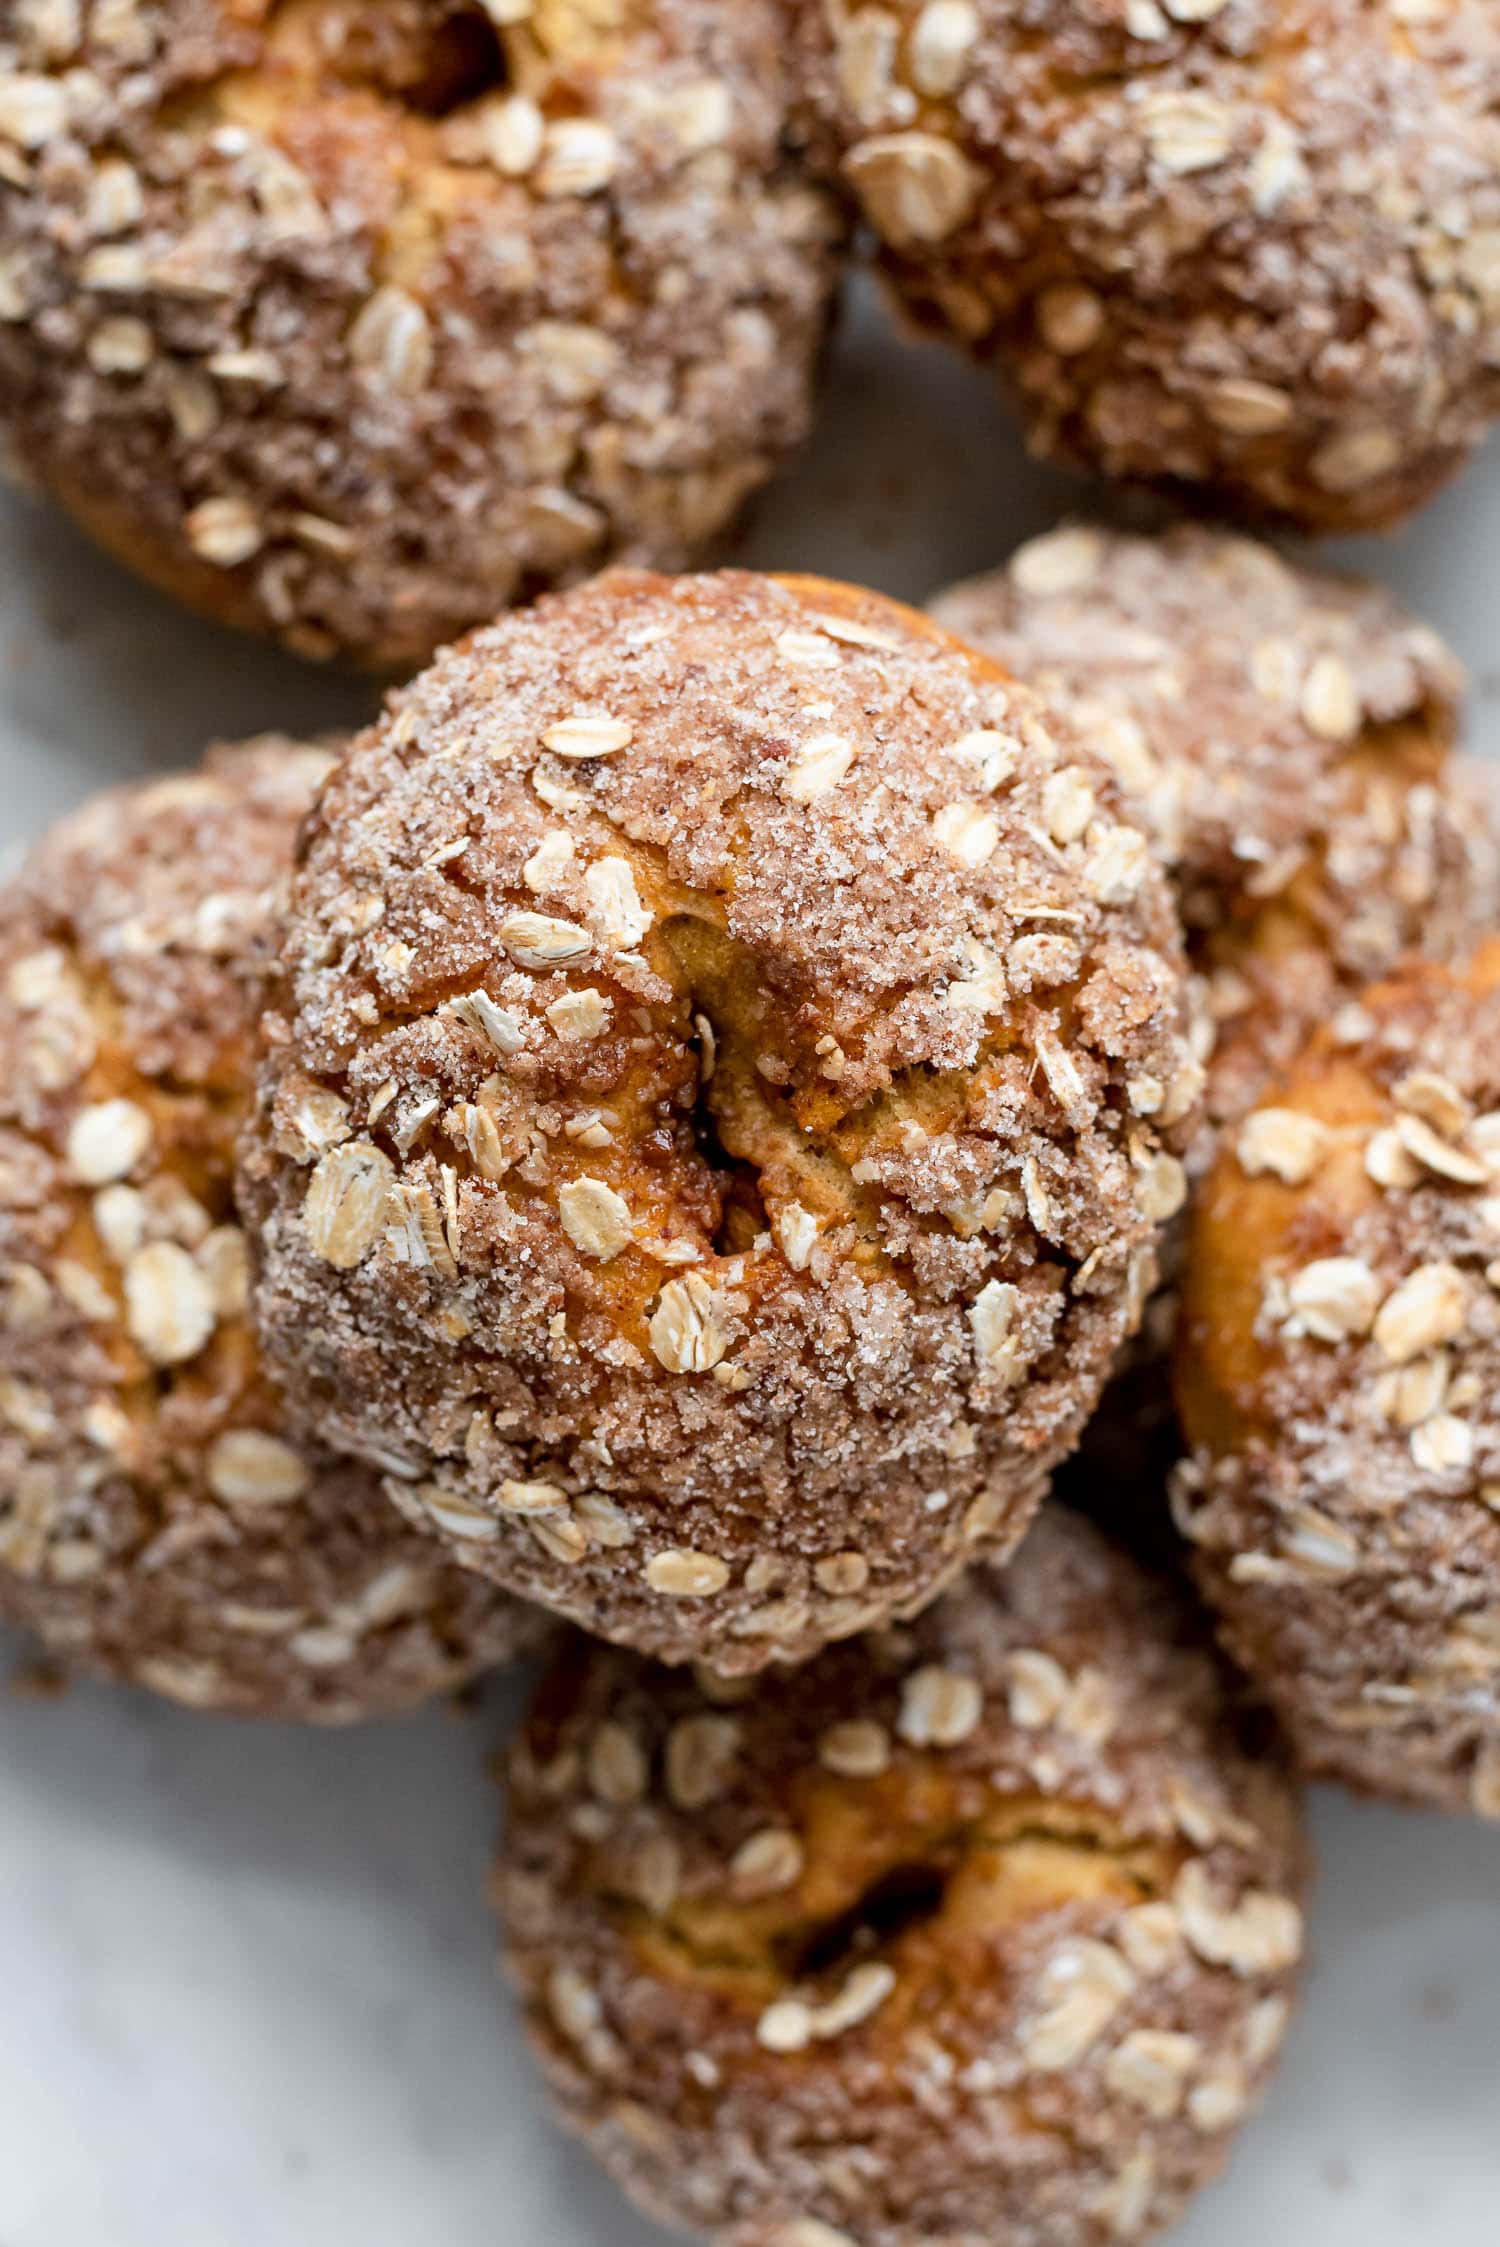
{"x": 246, "y": 1993}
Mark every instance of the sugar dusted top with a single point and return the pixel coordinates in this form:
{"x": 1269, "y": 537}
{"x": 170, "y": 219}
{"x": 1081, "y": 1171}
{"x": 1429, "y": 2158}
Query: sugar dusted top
{"x": 732, "y": 1049}
{"x": 1242, "y": 244}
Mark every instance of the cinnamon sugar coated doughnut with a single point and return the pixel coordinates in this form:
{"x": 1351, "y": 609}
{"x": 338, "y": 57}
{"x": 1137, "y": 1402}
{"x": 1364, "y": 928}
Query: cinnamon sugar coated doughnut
{"x": 351, "y": 321}
{"x": 1247, "y": 245}
{"x": 732, "y": 1059}
{"x": 159, "y": 1522}
{"x": 983, "y": 1929}
{"x": 1283, "y": 733}
{"x": 1338, "y": 1379}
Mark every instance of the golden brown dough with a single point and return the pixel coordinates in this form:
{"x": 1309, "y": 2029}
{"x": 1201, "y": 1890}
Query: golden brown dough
{"x": 732, "y": 1060}
{"x": 981, "y": 1930}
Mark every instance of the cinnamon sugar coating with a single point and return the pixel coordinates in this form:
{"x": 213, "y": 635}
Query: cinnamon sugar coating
{"x": 1250, "y": 247}
{"x": 159, "y": 1521}
{"x": 352, "y": 321}
{"x": 1284, "y": 735}
{"x": 980, "y": 1929}
{"x": 732, "y": 1057}
{"x": 1338, "y": 1375}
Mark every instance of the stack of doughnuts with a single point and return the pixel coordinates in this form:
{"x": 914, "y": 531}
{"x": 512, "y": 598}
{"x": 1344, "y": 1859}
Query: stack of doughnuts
{"x": 695, "y": 1140}
{"x": 670, "y": 1130}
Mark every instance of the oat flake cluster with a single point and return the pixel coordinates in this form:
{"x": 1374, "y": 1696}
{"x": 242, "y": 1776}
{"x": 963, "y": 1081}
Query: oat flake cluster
{"x": 1338, "y": 1376}
{"x": 159, "y": 1522}
{"x": 1284, "y": 736}
{"x": 984, "y": 1928}
{"x": 353, "y": 320}
{"x": 1252, "y": 245}
{"x": 732, "y": 1058}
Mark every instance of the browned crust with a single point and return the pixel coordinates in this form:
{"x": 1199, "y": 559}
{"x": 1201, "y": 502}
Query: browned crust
{"x": 1250, "y": 254}
{"x": 159, "y": 1522}
{"x": 1337, "y": 1374}
{"x": 911, "y": 1946}
{"x": 354, "y": 325}
{"x": 854, "y": 1291}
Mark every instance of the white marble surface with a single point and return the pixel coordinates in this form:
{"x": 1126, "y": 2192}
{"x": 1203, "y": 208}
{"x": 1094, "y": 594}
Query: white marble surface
{"x": 246, "y": 1993}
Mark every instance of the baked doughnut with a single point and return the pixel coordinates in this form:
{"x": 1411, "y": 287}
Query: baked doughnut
{"x": 983, "y": 1929}
{"x": 352, "y": 321}
{"x": 1339, "y": 1381}
{"x": 1247, "y": 245}
{"x": 1283, "y": 734}
{"x": 158, "y": 1520}
{"x": 732, "y": 1059}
